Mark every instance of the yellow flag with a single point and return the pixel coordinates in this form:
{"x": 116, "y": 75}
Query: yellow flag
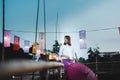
{"x": 34, "y": 48}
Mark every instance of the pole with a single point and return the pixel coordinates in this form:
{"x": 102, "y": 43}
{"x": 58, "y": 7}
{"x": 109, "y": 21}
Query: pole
{"x": 36, "y": 30}
{"x": 96, "y": 64}
{"x": 44, "y": 6}
{"x": 56, "y": 25}
{"x": 3, "y": 19}
{"x": 44, "y": 21}
{"x": 37, "y": 22}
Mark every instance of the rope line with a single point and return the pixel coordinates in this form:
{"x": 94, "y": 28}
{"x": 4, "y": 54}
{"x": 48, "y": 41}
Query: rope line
{"x": 104, "y": 29}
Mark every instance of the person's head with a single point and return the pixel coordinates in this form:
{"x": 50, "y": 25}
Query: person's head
{"x": 67, "y": 40}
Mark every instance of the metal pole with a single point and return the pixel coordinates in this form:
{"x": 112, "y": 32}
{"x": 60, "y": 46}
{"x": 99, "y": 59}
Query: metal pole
{"x": 36, "y": 30}
{"x": 44, "y": 21}
{"x": 44, "y": 6}
{"x": 37, "y": 21}
{"x": 56, "y": 25}
{"x": 3, "y": 19}
{"x": 96, "y": 63}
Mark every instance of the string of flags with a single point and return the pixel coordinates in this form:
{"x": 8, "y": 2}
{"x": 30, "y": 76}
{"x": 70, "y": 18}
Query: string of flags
{"x": 82, "y": 35}
{"x": 36, "y": 49}
{"x": 103, "y": 29}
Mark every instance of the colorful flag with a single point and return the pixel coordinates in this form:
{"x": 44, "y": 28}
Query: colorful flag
{"x": 83, "y": 44}
{"x": 34, "y": 48}
{"x": 82, "y": 35}
{"x": 7, "y": 34}
{"x": 38, "y": 50}
{"x": 26, "y": 46}
{"x": 42, "y": 40}
{"x": 16, "y": 46}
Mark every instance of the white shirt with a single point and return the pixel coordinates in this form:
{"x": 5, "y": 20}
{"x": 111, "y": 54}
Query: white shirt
{"x": 67, "y": 50}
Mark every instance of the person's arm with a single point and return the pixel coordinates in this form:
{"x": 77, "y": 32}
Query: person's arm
{"x": 74, "y": 55}
{"x": 65, "y": 56}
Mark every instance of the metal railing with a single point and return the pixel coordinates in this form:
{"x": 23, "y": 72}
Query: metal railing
{"x": 104, "y": 67}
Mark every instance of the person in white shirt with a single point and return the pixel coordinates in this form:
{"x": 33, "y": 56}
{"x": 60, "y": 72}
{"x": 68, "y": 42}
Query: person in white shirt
{"x": 67, "y": 52}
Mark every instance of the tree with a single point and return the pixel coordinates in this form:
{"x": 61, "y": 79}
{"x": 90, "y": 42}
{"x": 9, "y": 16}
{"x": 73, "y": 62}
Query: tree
{"x": 90, "y": 51}
{"x": 10, "y": 54}
{"x": 93, "y": 54}
{"x": 56, "y": 47}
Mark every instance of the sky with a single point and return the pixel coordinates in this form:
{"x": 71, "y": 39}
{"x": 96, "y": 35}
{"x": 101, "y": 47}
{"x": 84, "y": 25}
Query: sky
{"x": 73, "y": 15}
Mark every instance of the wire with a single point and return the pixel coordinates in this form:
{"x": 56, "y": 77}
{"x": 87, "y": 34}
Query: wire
{"x": 104, "y": 29}
{"x": 22, "y": 31}
{"x": 22, "y": 38}
{"x": 59, "y": 32}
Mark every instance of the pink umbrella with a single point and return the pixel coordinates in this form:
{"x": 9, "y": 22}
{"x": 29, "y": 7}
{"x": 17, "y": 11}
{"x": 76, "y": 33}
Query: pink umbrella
{"x": 78, "y": 71}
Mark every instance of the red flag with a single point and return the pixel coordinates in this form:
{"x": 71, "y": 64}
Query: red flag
{"x": 16, "y": 43}
{"x": 119, "y": 29}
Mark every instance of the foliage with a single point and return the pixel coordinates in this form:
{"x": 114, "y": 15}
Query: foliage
{"x": 93, "y": 54}
{"x": 56, "y": 47}
{"x": 81, "y": 59}
{"x": 11, "y": 54}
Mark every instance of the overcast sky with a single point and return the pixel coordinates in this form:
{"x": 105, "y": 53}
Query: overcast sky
{"x": 74, "y": 15}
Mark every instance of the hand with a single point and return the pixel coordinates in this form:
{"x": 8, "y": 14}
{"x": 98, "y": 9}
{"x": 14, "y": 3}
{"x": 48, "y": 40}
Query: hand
{"x": 65, "y": 56}
{"x": 75, "y": 60}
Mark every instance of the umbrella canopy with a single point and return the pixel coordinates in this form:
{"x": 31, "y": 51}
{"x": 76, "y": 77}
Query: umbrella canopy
{"x": 78, "y": 71}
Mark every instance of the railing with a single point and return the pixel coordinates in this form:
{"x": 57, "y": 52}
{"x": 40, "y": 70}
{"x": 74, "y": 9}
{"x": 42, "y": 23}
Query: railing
{"x": 22, "y": 67}
{"x": 105, "y": 67}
